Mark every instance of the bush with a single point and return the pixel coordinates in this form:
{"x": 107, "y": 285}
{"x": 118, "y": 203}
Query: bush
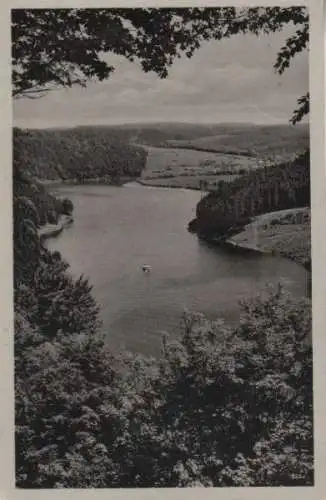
{"x": 67, "y": 206}
{"x": 223, "y": 407}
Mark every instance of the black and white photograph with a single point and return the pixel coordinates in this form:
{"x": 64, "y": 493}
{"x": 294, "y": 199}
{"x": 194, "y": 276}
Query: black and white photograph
{"x": 162, "y": 247}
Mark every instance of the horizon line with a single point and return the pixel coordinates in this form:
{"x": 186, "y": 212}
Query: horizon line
{"x": 156, "y": 122}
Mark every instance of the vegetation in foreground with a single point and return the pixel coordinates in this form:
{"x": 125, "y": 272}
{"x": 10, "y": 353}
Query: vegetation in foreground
{"x": 222, "y": 407}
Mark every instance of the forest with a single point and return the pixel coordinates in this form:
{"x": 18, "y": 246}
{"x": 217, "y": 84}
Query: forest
{"x": 76, "y": 155}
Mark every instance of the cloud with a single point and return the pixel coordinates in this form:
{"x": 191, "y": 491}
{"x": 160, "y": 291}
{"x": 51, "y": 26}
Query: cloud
{"x": 232, "y": 80}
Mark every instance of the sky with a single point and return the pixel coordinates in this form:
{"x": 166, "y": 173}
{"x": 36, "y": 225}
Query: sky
{"x": 225, "y": 81}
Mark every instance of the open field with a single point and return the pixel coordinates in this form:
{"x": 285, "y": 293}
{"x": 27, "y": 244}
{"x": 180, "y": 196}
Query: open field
{"x": 285, "y": 233}
{"x": 184, "y": 168}
{"x": 185, "y": 156}
{"x": 190, "y": 162}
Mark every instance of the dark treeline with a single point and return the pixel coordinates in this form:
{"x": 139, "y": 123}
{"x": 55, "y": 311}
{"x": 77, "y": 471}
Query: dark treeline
{"x": 76, "y": 154}
{"x": 158, "y": 134}
{"x": 33, "y": 207}
{"x": 221, "y": 407}
{"x": 194, "y": 147}
{"x": 228, "y": 208}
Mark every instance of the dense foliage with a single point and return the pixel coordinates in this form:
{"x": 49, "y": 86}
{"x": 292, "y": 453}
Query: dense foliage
{"x": 33, "y": 206}
{"x": 48, "y": 207}
{"x": 63, "y": 47}
{"x": 76, "y": 154}
{"x": 222, "y": 407}
{"x": 267, "y": 189}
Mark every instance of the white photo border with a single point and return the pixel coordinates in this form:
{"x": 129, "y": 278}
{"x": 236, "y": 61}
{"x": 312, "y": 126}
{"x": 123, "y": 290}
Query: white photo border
{"x": 318, "y": 205}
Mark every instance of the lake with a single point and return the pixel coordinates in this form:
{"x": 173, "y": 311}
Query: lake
{"x": 116, "y": 230}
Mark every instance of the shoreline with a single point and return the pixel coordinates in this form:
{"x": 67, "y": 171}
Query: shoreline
{"x": 272, "y": 234}
{"x": 124, "y": 182}
{"x": 52, "y": 230}
{"x": 190, "y": 182}
{"x": 159, "y": 186}
{"x": 146, "y": 183}
{"x": 96, "y": 181}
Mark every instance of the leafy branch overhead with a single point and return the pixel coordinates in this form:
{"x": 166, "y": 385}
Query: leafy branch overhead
{"x": 52, "y": 48}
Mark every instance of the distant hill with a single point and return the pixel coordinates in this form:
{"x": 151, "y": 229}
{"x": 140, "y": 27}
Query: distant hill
{"x": 110, "y": 153}
{"x": 154, "y": 134}
{"x": 242, "y": 139}
{"x": 263, "y": 142}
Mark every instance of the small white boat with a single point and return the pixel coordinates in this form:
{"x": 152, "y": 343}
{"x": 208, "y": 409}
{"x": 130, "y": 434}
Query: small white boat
{"x": 146, "y": 268}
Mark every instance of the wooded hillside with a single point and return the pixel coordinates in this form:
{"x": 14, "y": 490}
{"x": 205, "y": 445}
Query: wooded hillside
{"x": 231, "y": 205}
{"x": 76, "y": 154}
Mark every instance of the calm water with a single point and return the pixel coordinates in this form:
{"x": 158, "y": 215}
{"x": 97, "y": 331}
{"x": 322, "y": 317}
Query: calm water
{"x": 117, "y": 230}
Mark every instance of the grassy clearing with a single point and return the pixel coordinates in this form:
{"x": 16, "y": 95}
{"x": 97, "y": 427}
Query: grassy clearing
{"x": 234, "y": 151}
{"x": 189, "y": 162}
{"x": 184, "y": 168}
{"x": 285, "y": 233}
